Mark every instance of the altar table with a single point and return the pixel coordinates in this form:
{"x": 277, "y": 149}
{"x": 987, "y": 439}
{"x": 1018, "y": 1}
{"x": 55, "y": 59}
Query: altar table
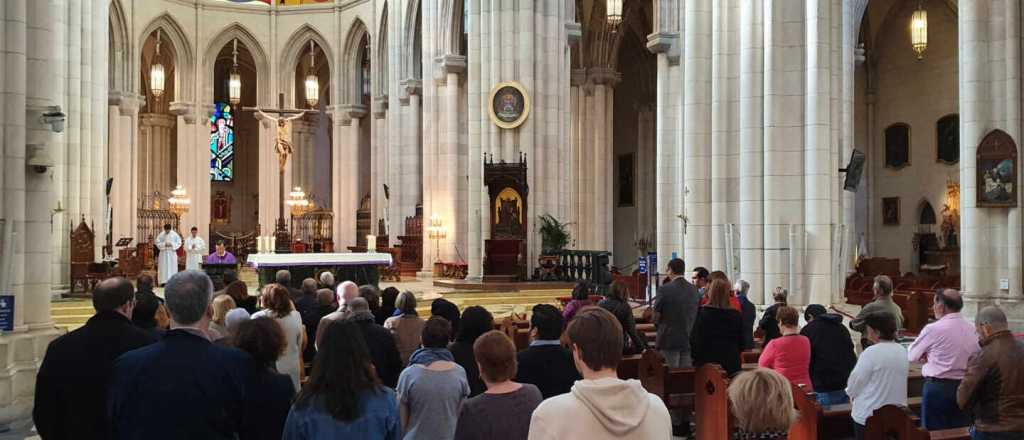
{"x": 360, "y": 268}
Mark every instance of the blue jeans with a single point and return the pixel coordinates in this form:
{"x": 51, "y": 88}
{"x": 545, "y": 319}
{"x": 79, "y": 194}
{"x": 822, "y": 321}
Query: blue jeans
{"x": 938, "y": 405}
{"x": 979, "y": 435}
{"x": 829, "y": 398}
{"x": 677, "y": 358}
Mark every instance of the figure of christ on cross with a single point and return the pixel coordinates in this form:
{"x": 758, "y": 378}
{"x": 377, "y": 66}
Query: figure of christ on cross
{"x": 283, "y": 147}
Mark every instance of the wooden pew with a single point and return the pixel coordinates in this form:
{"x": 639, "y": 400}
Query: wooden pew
{"x": 629, "y": 367}
{"x": 673, "y": 385}
{"x": 711, "y": 403}
{"x": 518, "y": 331}
{"x": 892, "y": 422}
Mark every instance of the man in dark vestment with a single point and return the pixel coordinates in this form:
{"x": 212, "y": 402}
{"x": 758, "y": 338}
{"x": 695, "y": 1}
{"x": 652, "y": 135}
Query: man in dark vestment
{"x": 71, "y": 388}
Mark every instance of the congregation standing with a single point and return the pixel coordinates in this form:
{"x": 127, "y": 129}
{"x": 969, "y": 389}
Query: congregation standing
{"x": 339, "y": 360}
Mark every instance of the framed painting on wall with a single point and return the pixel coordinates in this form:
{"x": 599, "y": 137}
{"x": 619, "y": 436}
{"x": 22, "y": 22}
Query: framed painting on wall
{"x": 891, "y": 211}
{"x": 997, "y": 171}
{"x": 897, "y": 146}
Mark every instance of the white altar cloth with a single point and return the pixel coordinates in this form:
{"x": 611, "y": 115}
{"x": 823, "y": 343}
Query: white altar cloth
{"x": 336, "y": 259}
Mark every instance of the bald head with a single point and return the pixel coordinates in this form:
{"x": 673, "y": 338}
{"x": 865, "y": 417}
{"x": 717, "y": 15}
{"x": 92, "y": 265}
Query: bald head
{"x": 947, "y": 301}
{"x": 113, "y": 293}
{"x": 993, "y": 317}
{"x": 358, "y": 305}
{"x": 347, "y": 291}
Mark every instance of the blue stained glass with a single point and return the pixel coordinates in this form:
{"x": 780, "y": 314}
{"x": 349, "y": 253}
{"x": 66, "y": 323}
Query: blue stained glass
{"x": 222, "y": 144}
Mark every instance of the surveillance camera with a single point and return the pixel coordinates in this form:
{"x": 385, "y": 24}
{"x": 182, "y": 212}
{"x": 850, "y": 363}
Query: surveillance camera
{"x": 55, "y": 118}
{"x": 38, "y": 160}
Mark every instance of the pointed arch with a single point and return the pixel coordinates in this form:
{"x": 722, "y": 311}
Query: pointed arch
{"x": 184, "y": 61}
{"x": 351, "y": 58}
{"x": 296, "y": 46}
{"x": 925, "y": 213}
{"x": 380, "y": 61}
{"x": 412, "y": 28}
{"x": 119, "y": 75}
{"x": 259, "y": 57}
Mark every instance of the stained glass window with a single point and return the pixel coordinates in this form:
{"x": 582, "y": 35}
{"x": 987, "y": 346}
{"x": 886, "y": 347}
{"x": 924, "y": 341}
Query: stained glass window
{"x": 222, "y": 143}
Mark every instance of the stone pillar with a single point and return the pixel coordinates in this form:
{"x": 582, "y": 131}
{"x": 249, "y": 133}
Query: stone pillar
{"x": 303, "y": 132}
{"x": 337, "y": 167}
{"x": 381, "y": 159}
{"x": 268, "y": 176}
{"x": 191, "y": 172}
{"x": 751, "y": 143}
{"x": 697, "y": 132}
{"x": 664, "y": 44}
{"x": 349, "y": 179}
{"x": 155, "y": 153}
{"x": 449, "y": 190}
{"x": 123, "y": 157}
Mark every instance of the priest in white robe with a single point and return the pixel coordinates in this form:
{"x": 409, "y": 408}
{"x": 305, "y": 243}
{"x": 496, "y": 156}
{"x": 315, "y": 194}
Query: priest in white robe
{"x": 195, "y": 248}
{"x": 168, "y": 243}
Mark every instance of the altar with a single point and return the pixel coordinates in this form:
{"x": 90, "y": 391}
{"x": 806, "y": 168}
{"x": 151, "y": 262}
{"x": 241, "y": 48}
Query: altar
{"x": 360, "y": 268}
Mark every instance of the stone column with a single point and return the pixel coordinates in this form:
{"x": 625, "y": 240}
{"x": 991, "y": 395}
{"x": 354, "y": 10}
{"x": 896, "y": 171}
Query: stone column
{"x": 302, "y": 161}
{"x": 449, "y": 189}
{"x": 667, "y": 172}
{"x": 338, "y": 155}
{"x": 268, "y": 175}
{"x": 382, "y": 162}
{"x": 191, "y": 173}
{"x": 124, "y": 151}
{"x": 351, "y": 161}
{"x": 155, "y": 148}
{"x": 697, "y": 132}
{"x": 751, "y": 143}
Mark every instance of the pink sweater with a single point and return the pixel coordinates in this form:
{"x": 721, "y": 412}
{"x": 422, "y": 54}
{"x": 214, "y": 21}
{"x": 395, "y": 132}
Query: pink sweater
{"x": 791, "y": 357}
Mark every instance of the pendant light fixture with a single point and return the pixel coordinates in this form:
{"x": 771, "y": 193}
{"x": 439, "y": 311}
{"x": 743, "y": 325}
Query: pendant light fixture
{"x": 312, "y": 82}
{"x": 919, "y": 31}
{"x": 235, "y": 78}
{"x": 156, "y": 71}
{"x": 613, "y": 10}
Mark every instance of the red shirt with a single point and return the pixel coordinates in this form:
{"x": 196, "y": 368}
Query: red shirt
{"x": 790, "y": 356}
{"x": 733, "y": 301}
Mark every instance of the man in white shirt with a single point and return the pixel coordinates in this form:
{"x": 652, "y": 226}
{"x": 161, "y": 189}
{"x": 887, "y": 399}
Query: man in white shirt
{"x": 195, "y": 248}
{"x": 880, "y": 377}
{"x": 168, "y": 243}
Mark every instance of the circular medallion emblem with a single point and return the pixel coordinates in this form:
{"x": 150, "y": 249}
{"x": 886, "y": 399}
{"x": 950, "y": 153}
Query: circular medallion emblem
{"x": 509, "y": 104}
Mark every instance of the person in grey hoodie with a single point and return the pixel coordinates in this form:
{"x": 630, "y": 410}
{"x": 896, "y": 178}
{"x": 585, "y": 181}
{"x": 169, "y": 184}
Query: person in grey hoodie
{"x": 601, "y": 406}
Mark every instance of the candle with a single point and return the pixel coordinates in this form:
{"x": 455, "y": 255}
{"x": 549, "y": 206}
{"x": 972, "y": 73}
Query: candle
{"x": 371, "y": 243}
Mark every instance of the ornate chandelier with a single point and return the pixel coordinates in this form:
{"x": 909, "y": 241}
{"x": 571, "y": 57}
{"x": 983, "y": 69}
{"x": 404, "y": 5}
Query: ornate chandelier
{"x": 156, "y": 71}
{"x": 297, "y": 202}
{"x": 235, "y": 78}
{"x": 312, "y": 82}
{"x": 613, "y": 10}
{"x": 919, "y": 31}
{"x": 179, "y": 202}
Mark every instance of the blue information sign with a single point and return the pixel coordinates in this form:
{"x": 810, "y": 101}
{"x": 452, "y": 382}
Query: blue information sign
{"x": 642, "y": 265}
{"x": 652, "y": 261}
{"x": 6, "y": 313}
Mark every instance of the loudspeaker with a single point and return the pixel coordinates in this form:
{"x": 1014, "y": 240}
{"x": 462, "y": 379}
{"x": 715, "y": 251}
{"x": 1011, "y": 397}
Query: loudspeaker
{"x": 854, "y": 170}
{"x": 110, "y": 183}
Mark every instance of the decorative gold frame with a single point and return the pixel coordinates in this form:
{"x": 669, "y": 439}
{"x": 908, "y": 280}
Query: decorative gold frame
{"x": 526, "y": 105}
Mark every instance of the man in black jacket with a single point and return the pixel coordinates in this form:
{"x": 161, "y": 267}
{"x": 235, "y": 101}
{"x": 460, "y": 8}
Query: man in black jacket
{"x": 71, "y": 388}
{"x": 183, "y": 387}
{"x": 379, "y": 340}
{"x": 545, "y": 363}
{"x": 832, "y": 357}
{"x": 747, "y": 311}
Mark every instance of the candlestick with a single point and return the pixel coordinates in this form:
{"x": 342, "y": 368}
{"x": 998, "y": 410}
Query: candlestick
{"x": 371, "y": 243}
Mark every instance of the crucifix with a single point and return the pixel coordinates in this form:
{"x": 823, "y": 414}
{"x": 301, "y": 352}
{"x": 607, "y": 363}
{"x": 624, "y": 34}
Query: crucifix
{"x": 283, "y": 147}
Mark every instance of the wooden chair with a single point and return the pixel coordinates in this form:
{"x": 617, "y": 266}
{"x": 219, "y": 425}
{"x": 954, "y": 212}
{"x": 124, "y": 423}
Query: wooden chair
{"x": 84, "y": 271}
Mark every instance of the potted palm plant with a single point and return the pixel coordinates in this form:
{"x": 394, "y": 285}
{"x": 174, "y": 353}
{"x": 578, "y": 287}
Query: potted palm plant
{"x": 554, "y": 236}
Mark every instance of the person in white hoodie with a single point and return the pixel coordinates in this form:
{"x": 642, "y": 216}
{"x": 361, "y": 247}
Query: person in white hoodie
{"x": 601, "y": 406}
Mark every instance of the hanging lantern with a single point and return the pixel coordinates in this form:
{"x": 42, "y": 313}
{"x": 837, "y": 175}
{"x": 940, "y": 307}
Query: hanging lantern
{"x": 312, "y": 82}
{"x": 235, "y": 78}
{"x": 613, "y": 10}
{"x": 156, "y": 71}
{"x": 919, "y": 31}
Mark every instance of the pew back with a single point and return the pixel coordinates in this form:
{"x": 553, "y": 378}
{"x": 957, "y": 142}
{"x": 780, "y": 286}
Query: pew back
{"x": 711, "y": 403}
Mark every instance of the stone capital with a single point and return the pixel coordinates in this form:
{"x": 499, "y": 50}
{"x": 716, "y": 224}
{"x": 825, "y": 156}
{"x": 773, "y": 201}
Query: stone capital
{"x": 573, "y": 32}
{"x": 184, "y": 109}
{"x": 665, "y": 43}
{"x": 410, "y": 87}
{"x": 450, "y": 63}
{"x": 578, "y": 77}
{"x": 380, "y": 107}
{"x": 128, "y": 104}
{"x": 353, "y": 111}
{"x": 604, "y": 76}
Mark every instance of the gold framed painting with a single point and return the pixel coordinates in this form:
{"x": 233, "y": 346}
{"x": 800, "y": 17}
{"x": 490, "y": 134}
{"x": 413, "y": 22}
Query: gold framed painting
{"x": 509, "y": 104}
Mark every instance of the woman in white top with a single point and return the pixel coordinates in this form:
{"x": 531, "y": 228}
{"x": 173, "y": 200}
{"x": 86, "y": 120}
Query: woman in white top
{"x": 277, "y": 304}
{"x": 880, "y": 377}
